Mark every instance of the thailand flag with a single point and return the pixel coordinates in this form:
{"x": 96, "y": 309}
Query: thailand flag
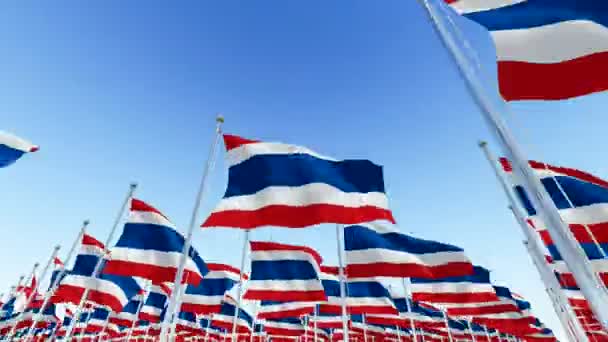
{"x": 225, "y": 318}
{"x": 325, "y": 320}
{"x": 156, "y": 304}
{"x": 273, "y": 310}
{"x": 582, "y": 200}
{"x": 128, "y": 315}
{"x": 363, "y": 297}
{"x": 377, "y": 249}
{"x": 546, "y": 50}
{"x": 207, "y": 296}
{"x": 505, "y": 317}
{"x": 287, "y": 273}
{"x": 284, "y": 327}
{"x": 455, "y": 291}
{"x": 106, "y": 290}
{"x": 151, "y": 247}
{"x": 275, "y": 184}
{"x": 12, "y": 148}
{"x": 97, "y": 320}
{"x": 58, "y": 273}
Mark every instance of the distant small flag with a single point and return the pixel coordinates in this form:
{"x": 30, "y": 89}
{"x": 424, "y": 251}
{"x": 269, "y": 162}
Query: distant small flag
{"x": 546, "y": 50}
{"x": 275, "y": 184}
{"x": 12, "y": 148}
{"x": 207, "y": 296}
{"x": 455, "y": 291}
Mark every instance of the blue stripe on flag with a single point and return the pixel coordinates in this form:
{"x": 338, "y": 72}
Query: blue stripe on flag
{"x": 282, "y": 270}
{"x": 534, "y": 13}
{"x": 211, "y": 287}
{"x": 481, "y": 276}
{"x": 9, "y": 155}
{"x": 262, "y": 171}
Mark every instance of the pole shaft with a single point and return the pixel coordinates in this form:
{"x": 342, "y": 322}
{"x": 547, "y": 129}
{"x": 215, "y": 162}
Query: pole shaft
{"x": 408, "y": 295}
{"x": 172, "y": 307}
{"x": 590, "y": 285}
{"x": 342, "y": 276}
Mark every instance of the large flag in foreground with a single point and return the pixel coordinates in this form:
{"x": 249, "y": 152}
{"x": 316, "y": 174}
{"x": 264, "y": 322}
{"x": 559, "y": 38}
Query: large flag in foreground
{"x": 546, "y": 50}
{"x": 377, "y": 249}
{"x": 12, "y": 148}
{"x": 275, "y": 184}
{"x": 151, "y": 247}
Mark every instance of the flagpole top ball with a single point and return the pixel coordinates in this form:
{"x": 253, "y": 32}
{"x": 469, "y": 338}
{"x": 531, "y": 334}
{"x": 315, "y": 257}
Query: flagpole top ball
{"x": 482, "y": 143}
{"x": 219, "y": 118}
{"x": 86, "y": 223}
{"x": 133, "y": 186}
{"x": 36, "y": 265}
{"x": 57, "y": 247}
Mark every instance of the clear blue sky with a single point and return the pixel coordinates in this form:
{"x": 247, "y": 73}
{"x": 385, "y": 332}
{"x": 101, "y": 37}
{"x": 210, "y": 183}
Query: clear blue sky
{"x": 118, "y": 91}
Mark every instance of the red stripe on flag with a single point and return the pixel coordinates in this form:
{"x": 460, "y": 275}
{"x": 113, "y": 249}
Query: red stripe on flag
{"x": 201, "y": 309}
{"x": 139, "y": 205}
{"x": 554, "y": 81}
{"x": 233, "y": 141}
{"x": 285, "y": 313}
{"x": 158, "y": 274}
{"x": 296, "y": 217}
{"x": 286, "y": 296}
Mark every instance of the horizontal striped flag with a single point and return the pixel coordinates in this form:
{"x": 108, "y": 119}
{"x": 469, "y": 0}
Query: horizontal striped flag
{"x": 106, "y": 290}
{"x": 151, "y": 247}
{"x": 377, "y": 249}
{"x": 363, "y": 297}
{"x": 12, "y": 148}
{"x": 155, "y": 304}
{"x": 225, "y": 318}
{"x": 275, "y": 184}
{"x": 475, "y": 288}
{"x": 128, "y": 315}
{"x": 546, "y": 50}
{"x": 207, "y": 296}
{"x": 287, "y": 273}
{"x": 284, "y": 327}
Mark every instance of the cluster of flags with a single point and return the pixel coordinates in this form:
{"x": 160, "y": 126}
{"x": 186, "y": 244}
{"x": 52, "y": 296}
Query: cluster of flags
{"x": 582, "y": 200}
{"x": 124, "y": 291}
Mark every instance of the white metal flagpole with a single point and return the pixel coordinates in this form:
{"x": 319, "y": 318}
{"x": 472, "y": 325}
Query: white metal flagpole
{"x": 590, "y": 285}
{"x": 240, "y": 285}
{"x": 408, "y": 295}
{"x": 193, "y": 222}
{"x": 447, "y": 324}
{"x": 54, "y": 285}
{"x": 553, "y": 288}
{"x": 97, "y": 269}
{"x": 342, "y": 278}
{"x": 27, "y": 298}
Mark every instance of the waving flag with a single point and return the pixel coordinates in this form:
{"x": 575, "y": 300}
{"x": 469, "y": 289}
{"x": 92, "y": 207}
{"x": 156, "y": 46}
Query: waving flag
{"x": 207, "y": 296}
{"x": 155, "y": 304}
{"x": 150, "y": 247}
{"x": 546, "y": 50}
{"x": 225, "y": 318}
{"x": 274, "y": 184}
{"x": 58, "y": 273}
{"x": 12, "y": 148}
{"x": 377, "y": 249}
{"x": 281, "y": 272}
{"x": 128, "y": 315}
{"x": 364, "y": 297}
{"x": 475, "y": 288}
{"x": 106, "y": 290}
{"x": 186, "y": 323}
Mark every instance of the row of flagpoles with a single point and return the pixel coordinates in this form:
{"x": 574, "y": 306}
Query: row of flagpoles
{"x": 105, "y": 281}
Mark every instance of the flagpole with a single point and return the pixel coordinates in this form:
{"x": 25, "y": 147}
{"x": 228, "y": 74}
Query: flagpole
{"x": 28, "y": 280}
{"x": 97, "y": 269}
{"x": 55, "y": 283}
{"x": 364, "y": 328}
{"x": 471, "y": 328}
{"x": 408, "y": 294}
{"x": 141, "y": 304}
{"x": 447, "y": 324}
{"x": 531, "y": 242}
{"x": 590, "y": 285}
{"x": 314, "y": 324}
{"x": 240, "y": 285}
{"x": 165, "y": 325}
{"x": 342, "y": 275}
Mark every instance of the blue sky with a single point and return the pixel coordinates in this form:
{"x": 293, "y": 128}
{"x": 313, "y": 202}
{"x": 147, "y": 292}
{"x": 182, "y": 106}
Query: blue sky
{"x": 119, "y": 92}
